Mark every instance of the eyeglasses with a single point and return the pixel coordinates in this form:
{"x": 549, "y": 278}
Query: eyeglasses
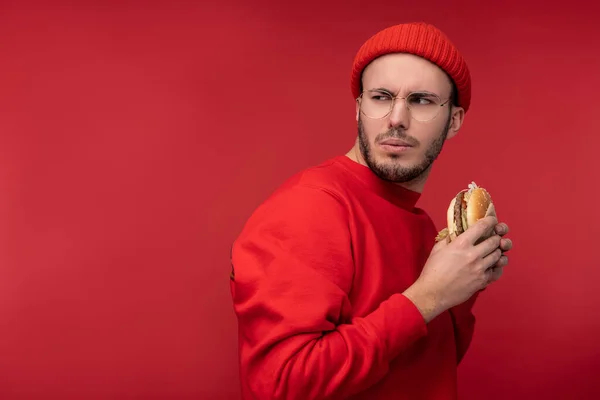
{"x": 423, "y": 106}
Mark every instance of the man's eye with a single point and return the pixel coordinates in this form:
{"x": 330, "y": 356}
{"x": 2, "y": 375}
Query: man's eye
{"x": 421, "y": 100}
{"x": 381, "y": 97}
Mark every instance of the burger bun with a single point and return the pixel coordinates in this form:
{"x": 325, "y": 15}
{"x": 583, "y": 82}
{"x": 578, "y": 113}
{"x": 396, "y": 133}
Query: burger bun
{"x": 476, "y": 203}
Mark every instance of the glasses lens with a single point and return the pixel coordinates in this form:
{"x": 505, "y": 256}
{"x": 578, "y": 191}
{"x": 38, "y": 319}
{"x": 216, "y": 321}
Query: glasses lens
{"x": 423, "y": 106}
{"x": 376, "y": 104}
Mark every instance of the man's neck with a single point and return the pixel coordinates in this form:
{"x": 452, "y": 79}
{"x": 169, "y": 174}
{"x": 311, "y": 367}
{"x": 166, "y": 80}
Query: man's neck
{"x": 416, "y": 185}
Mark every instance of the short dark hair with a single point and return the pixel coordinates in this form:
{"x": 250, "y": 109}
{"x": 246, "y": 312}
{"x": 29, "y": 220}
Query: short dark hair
{"x": 454, "y": 95}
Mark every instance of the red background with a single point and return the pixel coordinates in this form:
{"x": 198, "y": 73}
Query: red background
{"x": 136, "y": 139}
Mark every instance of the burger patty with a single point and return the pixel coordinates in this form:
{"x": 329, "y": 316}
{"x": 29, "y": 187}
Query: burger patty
{"x": 458, "y": 213}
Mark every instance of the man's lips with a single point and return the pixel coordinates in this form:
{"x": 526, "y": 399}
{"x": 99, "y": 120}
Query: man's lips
{"x": 396, "y": 143}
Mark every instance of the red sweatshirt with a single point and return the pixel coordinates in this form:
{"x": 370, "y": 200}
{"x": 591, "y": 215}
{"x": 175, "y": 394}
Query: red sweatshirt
{"x": 318, "y": 273}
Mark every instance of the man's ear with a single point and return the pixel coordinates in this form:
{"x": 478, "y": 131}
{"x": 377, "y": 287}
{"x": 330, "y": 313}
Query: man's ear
{"x": 357, "y": 109}
{"x": 456, "y": 121}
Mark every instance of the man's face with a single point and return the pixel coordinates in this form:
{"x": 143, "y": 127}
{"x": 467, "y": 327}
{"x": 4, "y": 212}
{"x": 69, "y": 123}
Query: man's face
{"x": 399, "y": 148}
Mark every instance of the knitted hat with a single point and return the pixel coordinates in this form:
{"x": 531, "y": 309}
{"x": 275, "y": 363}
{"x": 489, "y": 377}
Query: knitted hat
{"x": 420, "y": 39}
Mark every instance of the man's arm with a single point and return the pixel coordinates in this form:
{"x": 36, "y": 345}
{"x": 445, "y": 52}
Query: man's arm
{"x": 293, "y": 271}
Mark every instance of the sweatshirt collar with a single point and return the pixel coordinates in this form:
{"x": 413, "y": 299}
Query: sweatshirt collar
{"x": 392, "y": 192}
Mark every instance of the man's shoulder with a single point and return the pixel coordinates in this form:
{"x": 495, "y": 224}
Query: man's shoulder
{"x": 328, "y": 176}
{"x": 317, "y": 191}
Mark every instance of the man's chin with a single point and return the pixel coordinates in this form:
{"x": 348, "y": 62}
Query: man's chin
{"x": 395, "y": 169}
{"x": 391, "y": 160}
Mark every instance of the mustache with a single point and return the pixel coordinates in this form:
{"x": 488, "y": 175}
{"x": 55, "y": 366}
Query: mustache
{"x": 397, "y": 134}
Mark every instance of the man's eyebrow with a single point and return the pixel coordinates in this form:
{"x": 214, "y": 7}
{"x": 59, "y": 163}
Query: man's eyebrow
{"x": 382, "y": 89}
{"x": 425, "y": 92}
{"x": 388, "y": 91}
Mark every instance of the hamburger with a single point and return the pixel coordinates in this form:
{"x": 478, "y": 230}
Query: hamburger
{"x": 466, "y": 208}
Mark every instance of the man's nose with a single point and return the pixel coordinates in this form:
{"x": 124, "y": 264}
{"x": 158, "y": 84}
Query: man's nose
{"x": 400, "y": 115}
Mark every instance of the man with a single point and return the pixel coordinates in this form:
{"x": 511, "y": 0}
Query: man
{"x": 339, "y": 288}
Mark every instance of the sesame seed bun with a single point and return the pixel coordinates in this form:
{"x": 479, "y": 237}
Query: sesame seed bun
{"x": 465, "y": 209}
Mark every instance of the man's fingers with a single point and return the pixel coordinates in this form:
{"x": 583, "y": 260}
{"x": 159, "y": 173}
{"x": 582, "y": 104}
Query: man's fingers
{"x": 493, "y": 274}
{"x": 491, "y": 259}
{"x": 505, "y": 244}
{"x": 486, "y": 247}
{"x": 501, "y": 229}
{"x": 482, "y": 228}
{"x": 502, "y": 262}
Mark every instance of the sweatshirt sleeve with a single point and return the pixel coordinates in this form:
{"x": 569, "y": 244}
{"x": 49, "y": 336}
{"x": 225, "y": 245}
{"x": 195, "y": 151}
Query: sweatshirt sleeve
{"x": 464, "y": 326}
{"x": 298, "y": 338}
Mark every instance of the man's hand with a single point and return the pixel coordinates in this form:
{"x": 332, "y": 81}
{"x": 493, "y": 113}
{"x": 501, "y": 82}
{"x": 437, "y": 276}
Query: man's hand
{"x": 501, "y": 229}
{"x": 455, "y": 271}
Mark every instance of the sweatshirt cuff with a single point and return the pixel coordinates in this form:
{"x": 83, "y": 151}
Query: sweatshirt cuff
{"x": 399, "y": 324}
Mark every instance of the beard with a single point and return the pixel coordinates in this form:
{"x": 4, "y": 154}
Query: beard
{"x": 390, "y": 170}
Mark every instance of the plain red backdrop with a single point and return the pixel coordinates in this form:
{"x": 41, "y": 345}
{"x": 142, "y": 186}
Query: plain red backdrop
{"x": 135, "y": 139}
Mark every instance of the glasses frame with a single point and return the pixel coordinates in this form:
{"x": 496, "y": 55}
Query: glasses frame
{"x": 394, "y": 98}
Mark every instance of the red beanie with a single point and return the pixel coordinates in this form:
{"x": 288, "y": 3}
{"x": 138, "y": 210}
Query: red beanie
{"x": 420, "y": 39}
